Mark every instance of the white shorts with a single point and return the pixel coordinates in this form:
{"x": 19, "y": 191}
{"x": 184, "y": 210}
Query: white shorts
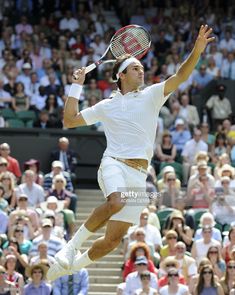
{"x": 115, "y": 176}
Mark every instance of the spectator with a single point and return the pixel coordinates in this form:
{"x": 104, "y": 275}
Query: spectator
{"x": 169, "y": 248}
{"x": 23, "y": 26}
{"x": 24, "y": 77}
{"x": 174, "y": 286}
{"x": 44, "y": 121}
{"x": 228, "y": 42}
{"x": 4, "y": 283}
{"x": 200, "y": 156}
{"x": 12, "y": 275}
{"x": 68, "y": 22}
{"x": 166, "y": 152}
{"x": 228, "y": 67}
{"x": 200, "y": 247}
{"x": 133, "y": 281}
{"x": 42, "y": 254}
{"x": 33, "y": 191}
{"x": 146, "y": 289}
{"x": 57, "y": 168}
{"x": 139, "y": 249}
{"x": 4, "y": 222}
{"x": 38, "y": 100}
{"x": 20, "y": 100}
{"x": 13, "y": 164}
{"x": 219, "y": 105}
{"x": 227, "y": 282}
{"x": 24, "y": 244}
{"x": 229, "y": 246}
{"x": 221, "y": 147}
{"x": 223, "y": 159}
{"x": 201, "y": 79}
{"x": 206, "y": 136}
{"x": 37, "y": 273}
{"x": 5, "y": 96}
{"x": 162, "y": 183}
{"x": 9, "y": 189}
{"x": 180, "y": 135}
{"x": 34, "y": 165}
{"x": 207, "y": 282}
{"x": 188, "y": 112}
{"x": 54, "y": 243}
{"x": 191, "y": 148}
{"x": 4, "y": 168}
{"x": 229, "y": 171}
{"x": 218, "y": 264}
{"x": 65, "y": 155}
{"x": 80, "y": 282}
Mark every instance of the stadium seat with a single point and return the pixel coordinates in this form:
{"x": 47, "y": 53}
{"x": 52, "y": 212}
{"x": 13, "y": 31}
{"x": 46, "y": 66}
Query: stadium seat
{"x": 197, "y": 213}
{"x": 163, "y": 215}
{"x": 15, "y": 123}
{"x": 8, "y": 114}
{"x": 26, "y": 115}
{"x": 29, "y": 124}
{"x": 219, "y": 226}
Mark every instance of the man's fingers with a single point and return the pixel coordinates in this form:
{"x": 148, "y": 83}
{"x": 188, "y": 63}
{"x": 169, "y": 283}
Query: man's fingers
{"x": 208, "y": 32}
{"x": 210, "y": 39}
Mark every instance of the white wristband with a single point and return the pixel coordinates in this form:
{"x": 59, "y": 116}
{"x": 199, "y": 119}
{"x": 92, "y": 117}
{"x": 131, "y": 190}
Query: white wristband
{"x": 75, "y": 91}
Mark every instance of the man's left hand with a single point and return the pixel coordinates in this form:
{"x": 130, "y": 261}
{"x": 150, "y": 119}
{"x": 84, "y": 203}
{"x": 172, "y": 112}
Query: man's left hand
{"x": 204, "y": 38}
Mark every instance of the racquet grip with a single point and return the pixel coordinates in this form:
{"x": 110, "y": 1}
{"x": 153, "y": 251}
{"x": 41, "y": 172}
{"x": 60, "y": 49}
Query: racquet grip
{"x": 90, "y": 68}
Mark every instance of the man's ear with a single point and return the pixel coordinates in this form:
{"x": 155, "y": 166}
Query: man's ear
{"x": 121, "y": 76}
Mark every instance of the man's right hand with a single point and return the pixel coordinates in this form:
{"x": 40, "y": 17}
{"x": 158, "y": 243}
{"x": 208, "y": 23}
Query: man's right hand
{"x": 79, "y": 76}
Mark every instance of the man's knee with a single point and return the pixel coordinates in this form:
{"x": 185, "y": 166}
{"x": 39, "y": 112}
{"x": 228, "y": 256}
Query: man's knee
{"x": 114, "y": 203}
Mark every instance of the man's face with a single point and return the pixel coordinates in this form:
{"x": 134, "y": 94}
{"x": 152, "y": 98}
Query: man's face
{"x": 134, "y": 75}
{"x": 4, "y": 150}
{"x": 197, "y": 135}
{"x": 63, "y": 145}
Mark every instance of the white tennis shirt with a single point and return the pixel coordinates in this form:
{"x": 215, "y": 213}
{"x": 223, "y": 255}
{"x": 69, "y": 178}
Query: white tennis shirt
{"x": 129, "y": 121}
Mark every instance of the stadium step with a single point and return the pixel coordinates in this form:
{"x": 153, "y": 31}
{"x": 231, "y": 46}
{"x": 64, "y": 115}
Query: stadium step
{"x": 105, "y": 274}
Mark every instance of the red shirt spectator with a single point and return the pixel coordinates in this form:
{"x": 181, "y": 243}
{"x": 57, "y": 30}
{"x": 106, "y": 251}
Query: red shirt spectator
{"x": 164, "y": 281}
{"x": 13, "y": 164}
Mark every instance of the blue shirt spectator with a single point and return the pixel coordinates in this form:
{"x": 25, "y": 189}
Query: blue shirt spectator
{"x": 180, "y": 135}
{"x": 61, "y": 286}
{"x": 81, "y": 282}
{"x": 4, "y": 222}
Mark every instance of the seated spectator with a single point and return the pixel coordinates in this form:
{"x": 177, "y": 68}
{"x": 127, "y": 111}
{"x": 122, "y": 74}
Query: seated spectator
{"x": 4, "y": 283}
{"x": 23, "y": 206}
{"x": 24, "y": 244}
{"x": 4, "y": 169}
{"x": 68, "y": 22}
{"x": 201, "y": 79}
{"x": 207, "y": 220}
{"x": 221, "y": 147}
{"x": 207, "y": 137}
{"x": 166, "y": 152}
{"x": 226, "y": 250}
{"x": 212, "y": 69}
{"x": 223, "y": 206}
{"x": 169, "y": 248}
{"x": 218, "y": 264}
{"x": 219, "y": 105}
{"x": 12, "y": 163}
{"x": 38, "y": 100}
{"x": 57, "y": 168}
{"x": 65, "y": 155}
{"x": 227, "y": 282}
{"x": 12, "y": 275}
{"x": 4, "y": 222}
{"x": 207, "y": 282}
{"x": 190, "y": 150}
{"x": 180, "y": 135}
{"x": 169, "y": 195}
{"x": 184, "y": 232}
{"x": 3, "y": 203}
{"x": 223, "y": 159}
{"x": 9, "y": 189}
{"x": 200, "y": 247}
{"x": 20, "y": 101}
{"x": 145, "y": 289}
{"x": 80, "y": 282}
{"x": 202, "y": 170}
{"x": 226, "y": 171}
{"x": 54, "y": 244}
{"x": 42, "y": 254}
{"x": 37, "y": 274}
{"x": 162, "y": 183}
{"x": 173, "y": 284}
{"x": 93, "y": 90}
{"x": 51, "y": 105}
{"x": 187, "y": 265}
{"x": 34, "y": 191}
{"x": 44, "y": 121}
{"x": 188, "y": 112}
{"x": 200, "y": 156}
{"x": 63, "y": 218}
{"x": 139, "y": 236}
{"x": 202, "y": 195}
{"x": 34, "y": 165}
{"x": 138, "y": 249}
{"x": 133, "y": 281}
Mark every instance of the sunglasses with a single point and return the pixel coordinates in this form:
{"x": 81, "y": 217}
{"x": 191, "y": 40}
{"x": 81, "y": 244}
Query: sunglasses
{"x": 173, "y": 275}
{"x": 23, "y": 199}
{"x": 140, "y": 234}
{"x": 170, "y": 265}
{"x": 171, "y": 179}
{"x": 213, "y": 252}
{"x": 171, "y": 238}
{"x": 207, "y": 272}
{"x": 141, "y": 264}
{"x": 231, "y": 266}
{"x": 19, "y": 231}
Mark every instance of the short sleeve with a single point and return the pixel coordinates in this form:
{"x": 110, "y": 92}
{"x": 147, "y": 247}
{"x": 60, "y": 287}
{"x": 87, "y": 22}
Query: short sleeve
{"x": 94, "y": 114}
{"x": 156, "y": 92}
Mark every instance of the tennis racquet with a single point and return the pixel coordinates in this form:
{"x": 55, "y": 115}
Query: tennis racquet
{"x": 133, "y": 39}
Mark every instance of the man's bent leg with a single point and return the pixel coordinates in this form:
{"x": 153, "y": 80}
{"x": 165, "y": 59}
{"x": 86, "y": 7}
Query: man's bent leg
{"x": 114, "y": 234}
{"x": 96, "y": 220}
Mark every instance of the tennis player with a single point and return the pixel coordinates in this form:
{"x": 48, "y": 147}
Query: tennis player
{"x": 129, "y": 120}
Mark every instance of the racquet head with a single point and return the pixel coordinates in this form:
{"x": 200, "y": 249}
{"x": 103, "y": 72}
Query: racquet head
{"x": 133, "y": 39}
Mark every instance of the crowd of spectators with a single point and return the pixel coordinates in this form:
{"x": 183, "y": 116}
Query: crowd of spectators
{"x": 192, "y": 171}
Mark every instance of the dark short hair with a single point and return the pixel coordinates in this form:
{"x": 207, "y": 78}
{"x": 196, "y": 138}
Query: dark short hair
{"x": 116, "y": 67}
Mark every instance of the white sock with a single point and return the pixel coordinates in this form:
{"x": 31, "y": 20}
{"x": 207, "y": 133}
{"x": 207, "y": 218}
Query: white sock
{"x": 81, "y": 261}
{"x": 80, "y": 236}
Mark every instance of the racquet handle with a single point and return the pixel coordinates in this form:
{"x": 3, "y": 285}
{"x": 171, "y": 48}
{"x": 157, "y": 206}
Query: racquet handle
{"x": 90, "y": 68}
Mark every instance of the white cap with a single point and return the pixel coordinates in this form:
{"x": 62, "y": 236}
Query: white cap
{"x": 179, "y": 121}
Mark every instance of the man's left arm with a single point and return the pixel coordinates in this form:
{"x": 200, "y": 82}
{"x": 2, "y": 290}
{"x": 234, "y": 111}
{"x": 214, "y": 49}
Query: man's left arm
{"x": 189, "y": 64}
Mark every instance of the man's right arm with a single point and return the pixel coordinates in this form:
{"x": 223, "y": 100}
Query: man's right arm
{"x": 72, "y": 116}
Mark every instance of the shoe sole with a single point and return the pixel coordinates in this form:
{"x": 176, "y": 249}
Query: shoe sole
{"x": 66, "y": 264}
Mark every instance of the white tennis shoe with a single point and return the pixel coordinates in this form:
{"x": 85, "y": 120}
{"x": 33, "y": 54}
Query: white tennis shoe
{"x": 65, "y": 256}
{"x": 56, "y": 270}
